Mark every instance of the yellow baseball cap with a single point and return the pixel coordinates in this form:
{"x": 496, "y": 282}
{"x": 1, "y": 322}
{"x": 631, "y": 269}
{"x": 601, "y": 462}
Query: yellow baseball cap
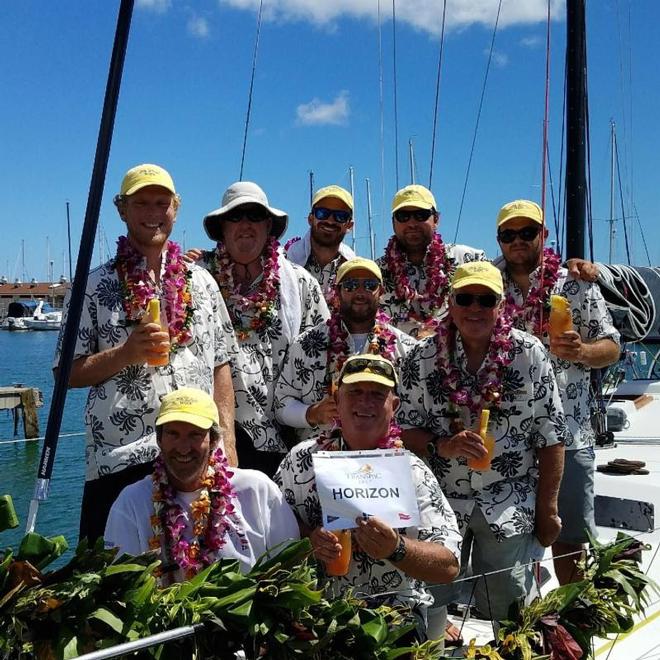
{"x": 146, "y": 175}
{"x": 355, "y": 264}
{"x": 520, "y": 208}
{"x": 188, "y": 405}
{"x": 478, "y": 272}
{"x": 414, "y": 195}
{"x": 368, "y": 368}
{"x": 333, "y": 191}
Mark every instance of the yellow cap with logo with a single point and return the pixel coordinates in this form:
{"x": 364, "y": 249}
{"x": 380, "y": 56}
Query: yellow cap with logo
{"x": 478, "y": 272}
{"x": 358, "y": 263}
{"x": 333, "y": 191}
{"x": 414, "y": 195}
{"x": 146, "y": 175}
{"x": 368, "y": 368}
{"x": 520, "y": 208}
{"x": 188, "y": 405}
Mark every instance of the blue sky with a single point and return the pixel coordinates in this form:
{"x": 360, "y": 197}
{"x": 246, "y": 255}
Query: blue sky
{"x": 316, "y": 107}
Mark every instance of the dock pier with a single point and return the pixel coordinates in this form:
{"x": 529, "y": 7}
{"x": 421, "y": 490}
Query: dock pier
{"x": 22, "y": 401}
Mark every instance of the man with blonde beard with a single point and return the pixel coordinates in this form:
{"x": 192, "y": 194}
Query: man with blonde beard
{"x": 304, "y": 394}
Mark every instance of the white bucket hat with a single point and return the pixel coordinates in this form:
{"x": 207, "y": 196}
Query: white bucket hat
{"x": 243, "y": 192}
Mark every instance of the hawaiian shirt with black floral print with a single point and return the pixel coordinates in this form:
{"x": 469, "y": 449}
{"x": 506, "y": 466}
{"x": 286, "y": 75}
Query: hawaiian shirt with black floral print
{"x": 121, "y": 412}
{"x": 255, "y": 366}
{"x": 592, "y": 320}
{"x": 398, "y": 309}
{"x": 369, "y": 577}
{"x": 304, "y": 375}
{"x": 529, "y": 417}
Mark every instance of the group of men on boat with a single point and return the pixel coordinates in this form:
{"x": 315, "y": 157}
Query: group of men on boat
{"x": 269, "y": 354}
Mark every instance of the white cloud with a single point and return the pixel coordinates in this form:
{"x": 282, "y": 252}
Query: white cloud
{"x": 157, "y": 6}
{"x": 531, "y": 42}
{"x": 424, "y": 15}
{"x": 198, "y": 26}
{"x": 499, "y": 59}
{"x": 317, "y": 113}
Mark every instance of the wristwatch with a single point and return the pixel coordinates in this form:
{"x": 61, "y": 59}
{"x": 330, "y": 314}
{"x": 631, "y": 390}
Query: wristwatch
{"x": 400, "y": 550}
{"x": 432, "y": 446}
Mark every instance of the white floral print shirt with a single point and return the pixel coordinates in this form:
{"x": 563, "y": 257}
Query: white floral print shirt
{"x": 304, "y": 375}
{"x": 592, "y": 321}
{"x": 367, "y": 576}
{"x": 396, "y": 308}
{"x": 529, "y": 417}
{"x": 121, "y": 412}
{"x": 256, "y": 364}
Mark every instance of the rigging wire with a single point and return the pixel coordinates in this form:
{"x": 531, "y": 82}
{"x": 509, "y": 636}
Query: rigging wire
{"x": 381, "y": 96}
{"x": 476, "y": 127}
{"x": 250, "y": 93}
{"x": 396, "y": 105}
{"x": 544, "y": 149}
{"x": 641, "y": 231}
{"x": 437, "y": 90}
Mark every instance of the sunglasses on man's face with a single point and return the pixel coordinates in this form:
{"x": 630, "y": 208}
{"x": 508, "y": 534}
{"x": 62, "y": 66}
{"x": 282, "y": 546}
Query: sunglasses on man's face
{"x": 420, "y": 215}
{"x": 353, "y": 284}
{"x": 527, "y": 234}
{"x": 251, "y": 215}
{"x": 370, "y": 366}
{"x": 485, "y": 300}
{"x": 321, "y": 213}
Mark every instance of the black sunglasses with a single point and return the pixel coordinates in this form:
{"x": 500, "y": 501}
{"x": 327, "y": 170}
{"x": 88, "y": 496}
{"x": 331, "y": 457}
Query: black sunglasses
{"x": 527, "y": 234}
{"x": 321, "y": 213}
{"x": 251, "y": 215}
{"x": 353, "y": 284}
{"x": 420, "y": 215}
{"x": 360, "y": 365}
{"x": 486, "y": 300}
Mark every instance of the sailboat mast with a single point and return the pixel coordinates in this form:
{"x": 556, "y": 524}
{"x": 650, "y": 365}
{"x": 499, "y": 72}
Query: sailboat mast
{"x": 576, "y": 107}
{"x": 370, "y": 221}
{"x": 612, "y": 219}
{"x": 352, "y": 181}
{"x": 411, "y": 158}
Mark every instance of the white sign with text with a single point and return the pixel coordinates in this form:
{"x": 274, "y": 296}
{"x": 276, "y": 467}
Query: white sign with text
{"x": 377, "y": 483}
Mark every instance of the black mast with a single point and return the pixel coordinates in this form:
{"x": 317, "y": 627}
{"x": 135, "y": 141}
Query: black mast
{"x": 576, "y": 112}
{"x": 84, "y": 259}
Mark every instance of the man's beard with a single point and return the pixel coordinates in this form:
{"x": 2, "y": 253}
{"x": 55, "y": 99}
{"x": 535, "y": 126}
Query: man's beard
{"x": 326, "y": 240}
{"x": 364, "y": 314}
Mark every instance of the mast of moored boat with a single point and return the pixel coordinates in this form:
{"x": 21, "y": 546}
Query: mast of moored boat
{"x": 576, "y": 112}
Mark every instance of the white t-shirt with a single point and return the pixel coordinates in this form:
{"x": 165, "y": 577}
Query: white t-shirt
{"x": 263, "y": 518}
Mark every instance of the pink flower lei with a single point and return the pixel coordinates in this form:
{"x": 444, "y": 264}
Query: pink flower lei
{"x": 261, "y": 301}
{"x": 139, "y": 288}
{"x": 488, "y": 387}
{"x": 437, "y": 267}
{"x": 210, "y": 514}
{"x": 534, "y": 311}
{"x": 382, "y": 341}
{"x": 331, "y": 440}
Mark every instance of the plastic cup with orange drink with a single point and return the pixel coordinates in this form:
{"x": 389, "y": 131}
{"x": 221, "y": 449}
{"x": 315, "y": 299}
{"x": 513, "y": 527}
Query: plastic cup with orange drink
{"x": 340, "y": 565}
{"x": 561, "y": 318}
{"x": 482, "y": 464}
{"x": 153, "y": 315}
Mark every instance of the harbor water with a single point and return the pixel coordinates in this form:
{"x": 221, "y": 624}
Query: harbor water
{"x": 26, "y": 358}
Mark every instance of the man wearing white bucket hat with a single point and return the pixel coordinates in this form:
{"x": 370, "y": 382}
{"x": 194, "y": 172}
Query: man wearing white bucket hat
{"x": 270, "y": 301}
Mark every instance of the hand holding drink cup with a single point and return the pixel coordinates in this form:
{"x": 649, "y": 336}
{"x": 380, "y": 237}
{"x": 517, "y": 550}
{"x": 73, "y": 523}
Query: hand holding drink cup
{"x": 488, "y": 441}
{"x": 334, "y": 549}
{"x": 159, "y": 355}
